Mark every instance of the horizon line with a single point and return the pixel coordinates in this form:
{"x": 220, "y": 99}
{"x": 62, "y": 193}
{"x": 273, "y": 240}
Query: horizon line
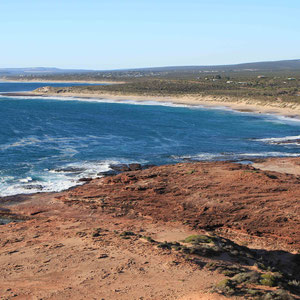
{"x": 153, "y": 67}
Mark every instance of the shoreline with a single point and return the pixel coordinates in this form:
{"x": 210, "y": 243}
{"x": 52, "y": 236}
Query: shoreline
{"x": 284, "y": 165}
{"x": 239, "y": 106}
{"x": 290, "y": 110}
{"x": 166, "y": 225}
{"x": 273, "y": 168}
{"x": 139, "y": 227}
{"x": 62, "y": 81}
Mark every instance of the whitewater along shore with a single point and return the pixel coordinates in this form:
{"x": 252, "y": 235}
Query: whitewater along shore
{"x": 289, "y": 109}
{"x": 250, "y": 105}
{"x": 202, "y": 230}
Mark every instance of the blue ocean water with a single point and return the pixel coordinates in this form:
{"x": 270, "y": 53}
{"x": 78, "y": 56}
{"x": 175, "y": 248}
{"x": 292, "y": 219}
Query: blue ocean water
{"x": 8, "y": 87}
{"x": 47, "y": 144}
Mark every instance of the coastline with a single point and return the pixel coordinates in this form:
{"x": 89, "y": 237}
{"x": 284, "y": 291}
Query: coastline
{"x": 133, "y": 227}
{"x": 251, "y": 105}
{"x": 291, "y": 110}
{"x": 137, "y": 226}
{"x": 62, "y": 81}
{"x": 187, "y": 100}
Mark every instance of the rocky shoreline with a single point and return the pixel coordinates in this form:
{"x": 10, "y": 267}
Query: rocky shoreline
{"x": 204, "y": 230}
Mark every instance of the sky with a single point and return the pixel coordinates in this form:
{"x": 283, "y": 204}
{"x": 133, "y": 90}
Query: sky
{"x": 115, "y": 34}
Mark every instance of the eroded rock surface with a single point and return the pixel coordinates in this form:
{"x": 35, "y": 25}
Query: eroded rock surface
{"x": 225, "y": 196}
{"x": 162, "y": 233}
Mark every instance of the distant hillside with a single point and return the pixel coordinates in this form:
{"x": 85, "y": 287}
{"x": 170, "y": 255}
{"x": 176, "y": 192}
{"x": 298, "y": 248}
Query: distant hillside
{"x": 255, "y": 66}
{"x": 37, "y": 71}
{"x": 288, "y": 65}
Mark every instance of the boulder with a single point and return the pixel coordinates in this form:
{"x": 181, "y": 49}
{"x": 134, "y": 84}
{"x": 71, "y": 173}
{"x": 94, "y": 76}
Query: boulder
{"x": 135, "y": 167}
{"x": 85, "y": 179}
{"x": 120, "y": 168}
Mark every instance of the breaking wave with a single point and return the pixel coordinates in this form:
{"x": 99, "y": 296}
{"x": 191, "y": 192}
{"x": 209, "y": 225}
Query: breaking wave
{"x": 53, "y": 180}
{"x": 233, "y": 156}
{"x": 287, "y": 140}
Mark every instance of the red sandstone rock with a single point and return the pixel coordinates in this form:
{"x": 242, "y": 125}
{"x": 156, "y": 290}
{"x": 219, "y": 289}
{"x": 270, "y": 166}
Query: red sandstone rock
{"x": 205, "y": 195}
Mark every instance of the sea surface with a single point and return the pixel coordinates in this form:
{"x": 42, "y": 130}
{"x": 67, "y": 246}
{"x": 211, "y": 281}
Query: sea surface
{"x": 47, "y": 144}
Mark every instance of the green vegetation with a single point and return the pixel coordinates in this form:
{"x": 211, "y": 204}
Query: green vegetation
{"x": 226, "y": 286}
{"x": 251, "y": 277}
{"x": 271, "y": 280}
{"x": 268, "y": 279}
{"x": 127, "y": 234}
{"x": 148, "y": 238}
{"x": 97, "y": 232}
{"x": 191, "y": 171}
{"x": 196, "y": 239}
{"x": 282, "y": 85}
{"x": 275, "y": 89}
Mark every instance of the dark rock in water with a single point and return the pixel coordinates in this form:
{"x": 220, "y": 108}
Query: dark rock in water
{"x": 108, "y": 173}
{"x": 85, "y": 179}
{"x": 296, "y": 141}
{"x": 187, "y": 159}
{"x": 70, "y": 170}
{"x": 135, "y": 167}
{"x": 33, "y": 187}
{"x": 120, "y": 168}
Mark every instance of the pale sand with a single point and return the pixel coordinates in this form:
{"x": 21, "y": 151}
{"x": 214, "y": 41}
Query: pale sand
{"x": 280, "y": 165}
{"x": 245, "y": 105}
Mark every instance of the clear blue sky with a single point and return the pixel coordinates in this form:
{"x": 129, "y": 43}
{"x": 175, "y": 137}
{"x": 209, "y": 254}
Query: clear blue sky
{"x": 110, "y": 34}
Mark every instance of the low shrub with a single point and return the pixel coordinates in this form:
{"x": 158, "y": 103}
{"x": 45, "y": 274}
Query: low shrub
{"x": 268, "y": 279}
{"x": 197, "y": 239}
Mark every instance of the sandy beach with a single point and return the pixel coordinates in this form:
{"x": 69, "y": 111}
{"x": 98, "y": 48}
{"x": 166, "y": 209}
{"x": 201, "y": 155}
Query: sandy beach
{"x": 278, "y": 107}
{"x": 128, "y": 235}
{"x": 243, "y": 105}
{"x": 150, "y": 150}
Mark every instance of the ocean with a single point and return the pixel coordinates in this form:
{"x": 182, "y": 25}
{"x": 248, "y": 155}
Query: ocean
{"x": 47, "y": 144}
